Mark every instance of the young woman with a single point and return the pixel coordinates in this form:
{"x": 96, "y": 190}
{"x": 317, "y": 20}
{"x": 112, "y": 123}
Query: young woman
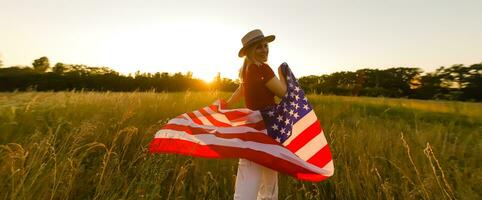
{"x": 258, "y": 86}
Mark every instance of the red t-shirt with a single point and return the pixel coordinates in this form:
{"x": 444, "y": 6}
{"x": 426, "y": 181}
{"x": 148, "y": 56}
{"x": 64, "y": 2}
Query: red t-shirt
{"x": 256, "y": 95}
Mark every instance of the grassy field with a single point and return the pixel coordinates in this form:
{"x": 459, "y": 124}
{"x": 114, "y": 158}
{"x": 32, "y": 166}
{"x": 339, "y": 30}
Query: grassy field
{"x": 87, "y": 145}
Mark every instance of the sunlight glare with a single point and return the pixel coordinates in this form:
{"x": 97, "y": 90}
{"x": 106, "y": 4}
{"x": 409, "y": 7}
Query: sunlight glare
{"x": 203, "y": 48}
{"x": 206, "y": 76}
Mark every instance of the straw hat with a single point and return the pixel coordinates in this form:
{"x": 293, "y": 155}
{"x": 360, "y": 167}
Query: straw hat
{"x": 252, "y": 37}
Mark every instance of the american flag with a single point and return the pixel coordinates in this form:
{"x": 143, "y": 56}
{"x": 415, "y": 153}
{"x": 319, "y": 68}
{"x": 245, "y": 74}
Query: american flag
{"x": 286, "y": 137}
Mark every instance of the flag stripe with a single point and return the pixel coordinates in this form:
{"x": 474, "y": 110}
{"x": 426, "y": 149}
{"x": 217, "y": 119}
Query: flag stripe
{"x": 304, "y": 137}
{"x": 218, "y": 151}
{"x": 212, "y": 120}
{"x": 300, "y": 126}
{"x": 239, "y": 115}
{"x": 194, "y": 118}
{"x": 202, "y": 118}
{"x": 246, "y": 136}
{"x": 322, "y": 159}
{"x": 185, "y": 116}
{"x": 312, "y": 147}
{"x": 251, "y": 120}
{"x": 233, "y": 115}
{"x": 209, "y": 139}
{"x": 218, "y": 116}
{"x": 259, "y": 127}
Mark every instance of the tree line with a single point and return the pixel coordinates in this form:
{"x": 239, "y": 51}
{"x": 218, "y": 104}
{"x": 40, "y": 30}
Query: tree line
{"x": 61, "y": 77}
{"x": 457, "y": 82}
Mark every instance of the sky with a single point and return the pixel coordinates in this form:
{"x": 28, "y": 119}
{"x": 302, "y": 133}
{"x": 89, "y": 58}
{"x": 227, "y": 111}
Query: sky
{"x": 204, "y": 37}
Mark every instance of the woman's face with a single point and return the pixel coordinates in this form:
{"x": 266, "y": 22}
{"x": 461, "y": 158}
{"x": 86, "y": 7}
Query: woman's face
{"x": 260, "y": 52}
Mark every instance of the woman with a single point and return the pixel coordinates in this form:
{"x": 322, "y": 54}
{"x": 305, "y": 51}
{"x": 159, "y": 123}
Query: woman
{"x": 258, "y": 85}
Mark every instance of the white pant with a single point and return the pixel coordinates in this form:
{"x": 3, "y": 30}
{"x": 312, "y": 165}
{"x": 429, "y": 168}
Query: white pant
{"x": 255, "y": 181}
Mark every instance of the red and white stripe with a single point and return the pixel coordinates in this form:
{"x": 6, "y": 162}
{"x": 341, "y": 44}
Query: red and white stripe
{"x": 214, "y": 132}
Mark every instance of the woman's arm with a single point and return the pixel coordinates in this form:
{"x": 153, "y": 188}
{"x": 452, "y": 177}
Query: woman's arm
{"x": 236, "y": 96}
{"x": 277, "y": 86}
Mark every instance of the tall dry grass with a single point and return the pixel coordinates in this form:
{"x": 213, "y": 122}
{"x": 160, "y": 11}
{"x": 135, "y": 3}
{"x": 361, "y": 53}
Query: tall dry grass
{"x": 87, "y": 145}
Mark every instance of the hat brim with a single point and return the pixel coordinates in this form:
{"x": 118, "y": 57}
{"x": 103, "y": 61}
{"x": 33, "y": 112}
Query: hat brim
{"x": 268, "y": 39}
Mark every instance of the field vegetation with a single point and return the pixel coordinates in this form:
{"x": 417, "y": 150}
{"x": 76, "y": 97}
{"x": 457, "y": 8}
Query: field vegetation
{"x": 94, "y": 145}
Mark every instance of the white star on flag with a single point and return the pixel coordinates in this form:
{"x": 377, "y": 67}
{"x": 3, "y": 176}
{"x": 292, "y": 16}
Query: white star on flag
{"x": 296, "y": 116}
{"x": 280, "y": 118}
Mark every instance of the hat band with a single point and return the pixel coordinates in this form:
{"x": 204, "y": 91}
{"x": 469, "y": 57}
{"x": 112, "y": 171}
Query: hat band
{"x": 253, "y": 40}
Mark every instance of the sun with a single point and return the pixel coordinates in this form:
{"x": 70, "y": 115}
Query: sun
{"x": 206, "y": 76}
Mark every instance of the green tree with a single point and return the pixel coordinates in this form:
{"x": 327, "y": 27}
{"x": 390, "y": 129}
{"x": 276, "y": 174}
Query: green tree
{"x": 59, "y": 68}
{"x": 430, "y": 87}
{"x": 473, "y": 84}
{"x": 454, "y": 80}
{"x": 311, "y": 84}
{"x": 454, "y": 76}
{"x": 41, "y": 64}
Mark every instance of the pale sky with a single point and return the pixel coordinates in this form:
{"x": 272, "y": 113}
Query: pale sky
{"x": 204, "y": 36}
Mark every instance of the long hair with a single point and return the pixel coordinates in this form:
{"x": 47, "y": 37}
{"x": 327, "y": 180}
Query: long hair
{"x": 248, "y": 59}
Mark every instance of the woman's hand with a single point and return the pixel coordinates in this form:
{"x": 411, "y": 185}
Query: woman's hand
{"x": 280, "y": 72}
